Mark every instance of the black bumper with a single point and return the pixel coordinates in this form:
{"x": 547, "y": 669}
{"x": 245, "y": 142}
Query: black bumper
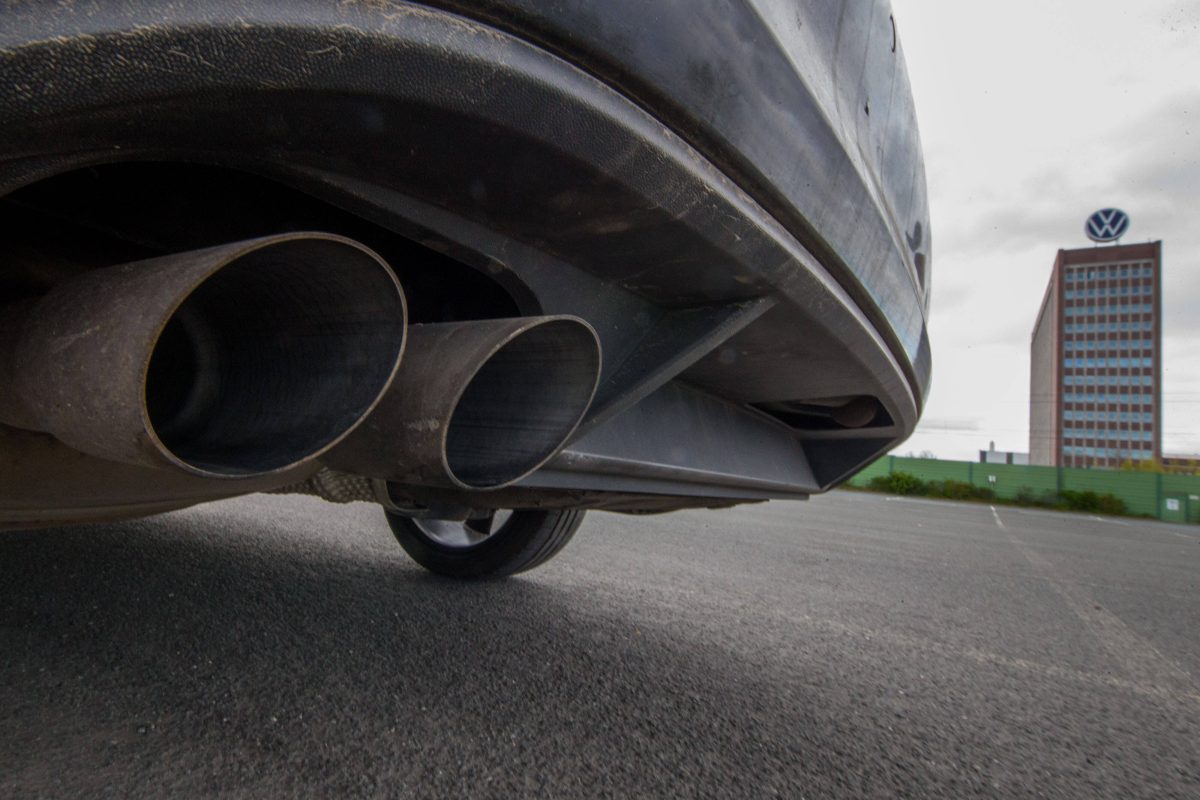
{"x": 733, "y": 195}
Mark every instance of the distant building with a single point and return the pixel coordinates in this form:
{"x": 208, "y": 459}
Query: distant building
{"x": 1096, "y": 367}
{"x": 1182, "y": 465}
{"x": 994, "y": 456}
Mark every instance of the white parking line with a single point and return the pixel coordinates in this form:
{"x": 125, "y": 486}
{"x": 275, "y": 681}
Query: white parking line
{"x": 1153, "y": 525}
{"x": 942, "y": 503}
{"x": 1141, "y": 661}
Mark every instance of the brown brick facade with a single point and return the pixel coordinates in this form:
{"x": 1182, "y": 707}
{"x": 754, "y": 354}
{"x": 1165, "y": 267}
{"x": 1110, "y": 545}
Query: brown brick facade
{"x": 1096, "y": 365}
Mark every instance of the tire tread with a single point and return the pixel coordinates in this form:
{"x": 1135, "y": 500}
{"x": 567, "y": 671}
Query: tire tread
{"x": 532, "y": 537}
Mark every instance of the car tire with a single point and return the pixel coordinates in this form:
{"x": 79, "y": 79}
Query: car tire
{"x": 525, "y": 539}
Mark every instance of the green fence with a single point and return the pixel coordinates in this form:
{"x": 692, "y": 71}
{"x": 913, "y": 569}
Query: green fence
{"x": 1174, "y": 498}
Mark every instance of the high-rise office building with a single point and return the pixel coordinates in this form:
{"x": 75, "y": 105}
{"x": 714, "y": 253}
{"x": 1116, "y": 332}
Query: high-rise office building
{"x": 1096, "y": 359}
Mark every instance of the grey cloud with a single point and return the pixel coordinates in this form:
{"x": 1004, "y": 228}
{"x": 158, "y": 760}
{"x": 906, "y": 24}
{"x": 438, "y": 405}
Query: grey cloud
{"x": 1155, "y": 166}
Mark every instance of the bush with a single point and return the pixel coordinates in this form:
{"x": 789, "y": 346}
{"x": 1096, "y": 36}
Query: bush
{"x": 1026, "y": 497}
{"x": 1091, "y": 502}
{"x": 905, "y": 483}
{"x": 897, "y": 483}
{"x": 961, "y": 490}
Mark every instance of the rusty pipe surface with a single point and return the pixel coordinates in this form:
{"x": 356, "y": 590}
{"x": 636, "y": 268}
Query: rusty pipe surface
{"x": 477, "y": 405}
{"x": 240, "y": 360}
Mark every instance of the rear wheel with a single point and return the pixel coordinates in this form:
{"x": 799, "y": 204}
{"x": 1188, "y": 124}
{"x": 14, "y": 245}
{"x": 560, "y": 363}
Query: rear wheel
{"x": 503, "y": 543}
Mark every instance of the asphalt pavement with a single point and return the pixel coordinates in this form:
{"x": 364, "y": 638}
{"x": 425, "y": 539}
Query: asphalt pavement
{"x": 851, "y": 646}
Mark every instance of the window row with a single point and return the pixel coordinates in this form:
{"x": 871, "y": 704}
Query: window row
{"x": 1108, "y": 380}
{"x": 1093, "y": 433}
{"x": 1109, "y": 273}
{"x": 1121, "y": 308}
{"x": 1109, "y": 291}
{"x": 1113, "y": 344}
{"x": 1100, "y": 327}
{"x": 1133, "y": 453}
{"x": 1101, "y": 397}
{"x": 1117, "y": 361}
{"x": 1109, "y": 416}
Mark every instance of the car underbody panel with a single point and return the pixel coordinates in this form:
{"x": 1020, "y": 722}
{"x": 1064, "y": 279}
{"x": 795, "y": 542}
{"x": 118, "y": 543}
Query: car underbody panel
{"x": 728, "y": 195}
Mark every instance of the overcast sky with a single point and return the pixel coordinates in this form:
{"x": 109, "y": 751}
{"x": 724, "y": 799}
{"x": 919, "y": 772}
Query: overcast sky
{"x": 1033, "y": 115}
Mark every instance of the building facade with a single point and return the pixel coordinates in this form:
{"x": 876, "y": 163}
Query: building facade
{"x": 1181, "y": 465}
{"x": 1096, "y": 366}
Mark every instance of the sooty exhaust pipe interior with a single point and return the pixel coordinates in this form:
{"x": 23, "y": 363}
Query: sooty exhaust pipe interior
{"x": 477, "y": 405}
{"x": 238, "y": 360}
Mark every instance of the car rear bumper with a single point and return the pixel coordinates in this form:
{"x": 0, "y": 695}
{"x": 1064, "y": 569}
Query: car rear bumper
{"x": 703, "y": 185}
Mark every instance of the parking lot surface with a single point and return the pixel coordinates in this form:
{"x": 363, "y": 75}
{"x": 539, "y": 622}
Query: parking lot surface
{"x": 854, "y": 645}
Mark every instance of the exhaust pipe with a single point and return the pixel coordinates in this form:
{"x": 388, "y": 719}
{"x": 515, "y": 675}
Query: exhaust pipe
{"x": 477, "y": 405}
{"x": 240, "y": 360}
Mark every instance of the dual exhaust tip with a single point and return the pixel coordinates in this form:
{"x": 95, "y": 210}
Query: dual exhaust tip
{"x": 261, "y": 356}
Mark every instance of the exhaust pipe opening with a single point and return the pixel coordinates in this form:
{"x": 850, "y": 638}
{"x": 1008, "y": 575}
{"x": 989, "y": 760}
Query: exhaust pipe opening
{"x": 274, "y": 357}
{"x": 522, "y": 404}
{"x": 239, "y": 360}
{"x": 477, "y": 405}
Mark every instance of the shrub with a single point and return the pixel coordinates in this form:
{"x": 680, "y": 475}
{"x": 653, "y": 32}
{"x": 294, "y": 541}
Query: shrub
{"x": 961, "y": 490}
{"x": 1049, "y": 499}
{"x": 1091, "y": 502}
{"x": 897, "y": 483}
{"x": 1026, "y": 497}
{"x": 1111, "y": 504}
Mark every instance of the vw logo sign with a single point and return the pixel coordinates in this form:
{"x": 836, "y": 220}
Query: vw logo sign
{"x": 1107, "y": 225}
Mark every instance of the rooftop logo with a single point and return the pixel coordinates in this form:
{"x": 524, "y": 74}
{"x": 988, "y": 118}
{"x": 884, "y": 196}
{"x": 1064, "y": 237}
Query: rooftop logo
{"x": 1107, "y": 225}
